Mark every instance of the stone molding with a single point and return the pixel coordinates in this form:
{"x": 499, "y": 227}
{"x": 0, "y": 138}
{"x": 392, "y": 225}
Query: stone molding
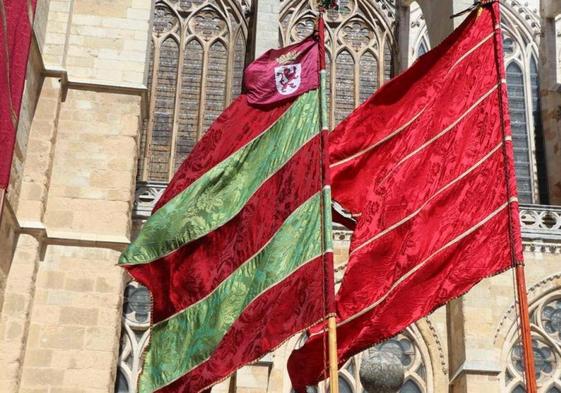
{"x": 475, "y": 368}
{"x": 436, "y": 338}
{"x": 71, "y": 239}
{"x": 98, "y": 86}
{"x": 535, "y": 293}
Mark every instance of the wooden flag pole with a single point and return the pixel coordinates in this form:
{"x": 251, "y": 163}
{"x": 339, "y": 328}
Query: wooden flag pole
{"x": 333, "y": 363}
{"x": 523, "y": 312}
{"x": 2, "y": 197}
{"x": 233, "y": 382}
{"x": 327, "y": 221}
{"x": 526, "y": 334}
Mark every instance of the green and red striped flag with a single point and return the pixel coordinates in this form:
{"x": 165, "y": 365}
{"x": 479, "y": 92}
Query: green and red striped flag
{"x": 234, "y": 253}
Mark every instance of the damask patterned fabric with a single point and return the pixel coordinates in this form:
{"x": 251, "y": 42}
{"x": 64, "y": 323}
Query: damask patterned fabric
{"x": 426, "y": 168}
{"x": 232, "y": 251}
{"x": 15, "y": 38}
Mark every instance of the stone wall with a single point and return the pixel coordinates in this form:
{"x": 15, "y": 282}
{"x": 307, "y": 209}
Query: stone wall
{"x": 32, "y": 88}
{"x": 71, "y": 196}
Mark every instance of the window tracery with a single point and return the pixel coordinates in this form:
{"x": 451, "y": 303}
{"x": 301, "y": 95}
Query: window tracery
{"x": 521, "y": 59}
{"x": 196, "y": 69}
{"x": 418, "y": 33}
{"x": 134, "y": 336}
{"x": 360, "y": 47}
{"x": 408, "y": 347}
{"x": 545, "y": 320}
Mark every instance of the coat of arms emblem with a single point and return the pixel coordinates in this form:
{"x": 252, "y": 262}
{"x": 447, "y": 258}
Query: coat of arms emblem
{"x": 288, "y": 74}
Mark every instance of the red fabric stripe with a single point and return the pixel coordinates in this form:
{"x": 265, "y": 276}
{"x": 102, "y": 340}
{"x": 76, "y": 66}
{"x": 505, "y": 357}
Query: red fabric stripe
{"x": 193, "y": 271}
{"x": 266, "y": 323}
{"x": 15, "y": 39}
{"x": 234, "y": 128}
{"x": 406, "y": 304}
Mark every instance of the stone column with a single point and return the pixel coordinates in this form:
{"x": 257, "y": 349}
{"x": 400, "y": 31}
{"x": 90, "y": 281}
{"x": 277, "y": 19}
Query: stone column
{"x": 437, "y": 15}
{"x": 550, "y": 92}
{"x": 403, "y": 36}
{"x": 266, "y": 14}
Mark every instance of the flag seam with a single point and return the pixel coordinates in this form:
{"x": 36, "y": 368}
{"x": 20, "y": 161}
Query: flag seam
{"x": 267, "y": 243}
{"x": 469, "y": 52}
{"x": 234, "y": 213}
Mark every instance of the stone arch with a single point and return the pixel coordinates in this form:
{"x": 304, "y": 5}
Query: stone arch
{"x": 409, "y": 347}
{"x": 545, "y": 303}
{"x": 211, "y": 39}
{"x": 360, "y": 34}
{"x": 419, "y": 42}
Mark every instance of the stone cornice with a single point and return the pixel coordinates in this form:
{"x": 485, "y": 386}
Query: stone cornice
{"x": 98, "y": 86}
{"x": 71, "y": 239}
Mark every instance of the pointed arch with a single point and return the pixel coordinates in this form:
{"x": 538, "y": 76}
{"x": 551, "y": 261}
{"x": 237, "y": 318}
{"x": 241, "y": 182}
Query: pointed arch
{"x": 215, "y": 87}
{"x": 407, "y": 347}
{"x": 418, "y": 33}
{"x": 211, "y": 40}
{"x": 191, "y": 74}
{"x": 368, "y": 74}
{"x": 164, "y": 103}
{"x": 520, "y": 29}
{"x": 359, "y": 30}
{"x": 344, "y": 89}
{"x": 544, "y": 309}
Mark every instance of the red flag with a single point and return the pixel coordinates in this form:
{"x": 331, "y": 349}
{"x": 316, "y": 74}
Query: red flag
{"x": 426, "y": 166}
{"x": 283, "y": 73}
{"x": 15, "y": 37}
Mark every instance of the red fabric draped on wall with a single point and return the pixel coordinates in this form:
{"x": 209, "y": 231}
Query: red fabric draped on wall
{"x": 15, "y": 38}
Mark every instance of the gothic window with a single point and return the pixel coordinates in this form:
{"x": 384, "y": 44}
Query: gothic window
{"x": 418, "y": 34}
{"x": 545, "y": 319}
{"x": 196, "y": 69}
{"x": 519, "y": 124}
{"x": 408, "y": 347}
{"x": 521, "y": 56}
{"x": 360, "y": 47}
{"x": 521, "y": 28}
{"x": 422, "y": 48}
{"x": 134, "y": 336}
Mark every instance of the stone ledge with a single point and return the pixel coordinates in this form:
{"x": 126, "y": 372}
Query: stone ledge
{"x": 476, "y": 367}
{"x": 98, "y": 86}
{"x": 62, "y": 238}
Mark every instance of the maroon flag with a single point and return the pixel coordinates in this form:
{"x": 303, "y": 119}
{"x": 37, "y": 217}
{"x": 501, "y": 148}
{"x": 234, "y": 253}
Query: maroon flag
{"x": 283, "y": 73}
{"x": 15, "y": 37}
{"x": 426, "y": 168}
{"x": 232, "y": 251}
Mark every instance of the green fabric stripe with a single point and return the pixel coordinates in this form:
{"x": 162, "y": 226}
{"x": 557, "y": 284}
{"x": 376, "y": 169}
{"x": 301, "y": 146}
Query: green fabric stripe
{"x": 327, "y": 220}
{"x": 188, "y": 338}
{"x": 221, "y": 193}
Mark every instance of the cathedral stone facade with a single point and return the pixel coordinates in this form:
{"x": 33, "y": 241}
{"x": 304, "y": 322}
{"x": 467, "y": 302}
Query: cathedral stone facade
{"x": 117, "y": 94}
